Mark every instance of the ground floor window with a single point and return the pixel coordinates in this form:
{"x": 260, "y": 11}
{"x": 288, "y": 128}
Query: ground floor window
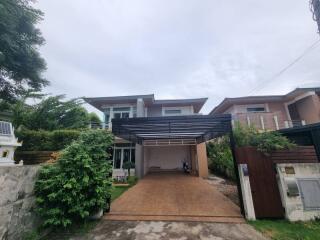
{"x": 122, "y": 154}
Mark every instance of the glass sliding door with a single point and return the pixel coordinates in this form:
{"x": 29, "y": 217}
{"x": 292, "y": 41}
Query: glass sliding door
{"x": 126, "y": 155}
{"x": 133, "y": 155}
{"x": 122, "y": 155}
{"x": 117, "y": 158}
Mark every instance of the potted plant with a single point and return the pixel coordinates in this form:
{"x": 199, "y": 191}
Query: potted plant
{"x": 128, "y": 165}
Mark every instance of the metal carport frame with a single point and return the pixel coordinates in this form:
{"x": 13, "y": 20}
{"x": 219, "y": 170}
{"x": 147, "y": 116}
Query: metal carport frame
{"x": 199, "y": 127}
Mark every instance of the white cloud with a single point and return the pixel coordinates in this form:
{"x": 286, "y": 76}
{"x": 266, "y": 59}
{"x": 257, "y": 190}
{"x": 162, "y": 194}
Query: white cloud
{"x": 178, "y": 48}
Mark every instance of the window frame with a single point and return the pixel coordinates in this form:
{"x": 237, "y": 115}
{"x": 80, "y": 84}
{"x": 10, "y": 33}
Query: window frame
{"x": 255, "y": 109}
{"x": 131, "y": 151}
{"x": 166, "y": 111}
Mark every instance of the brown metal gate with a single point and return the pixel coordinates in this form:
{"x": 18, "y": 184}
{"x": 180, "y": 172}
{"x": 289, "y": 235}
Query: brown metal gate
{"x": 262, "y": 176}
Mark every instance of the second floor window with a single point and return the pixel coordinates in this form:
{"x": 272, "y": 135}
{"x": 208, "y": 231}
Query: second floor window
{"x": 121, "y": 112}
{"x": 256, "y": 109}
{"x": 172, "y": 112}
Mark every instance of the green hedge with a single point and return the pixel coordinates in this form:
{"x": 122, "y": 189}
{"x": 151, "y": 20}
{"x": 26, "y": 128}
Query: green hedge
{"x": 79, "y": 184}
{"x": 220, "y": 157}
{"x": 265, "y": 142}
{"x": 46, "y": 140}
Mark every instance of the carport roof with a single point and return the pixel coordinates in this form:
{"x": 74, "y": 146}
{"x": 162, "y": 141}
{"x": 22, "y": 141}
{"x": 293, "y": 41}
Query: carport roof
{"x": 199, "y": 127}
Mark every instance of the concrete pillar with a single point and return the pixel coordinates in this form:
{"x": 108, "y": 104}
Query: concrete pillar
{"x": 202, "y": 160}
{"x": 246, "y": 193}
{"x": 145, "y": 161}
{"x": 193, "y": 156}
{"x": 140, "y": 107}
{"x": 139, "y": 168}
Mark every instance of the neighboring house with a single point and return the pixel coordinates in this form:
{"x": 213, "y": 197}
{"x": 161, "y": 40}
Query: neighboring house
{"x": 299, "y": 107}
{"x": 160, "y": 147}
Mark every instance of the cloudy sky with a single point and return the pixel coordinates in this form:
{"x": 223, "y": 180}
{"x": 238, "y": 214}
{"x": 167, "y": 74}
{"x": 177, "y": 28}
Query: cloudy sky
{"x": 178, "y": 48}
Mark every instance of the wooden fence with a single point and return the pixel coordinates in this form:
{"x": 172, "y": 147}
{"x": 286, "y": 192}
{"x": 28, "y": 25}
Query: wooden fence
{"x": 262, "y": 175}
{"x": 301, "y": 154}
{"x": 33, "y": 157}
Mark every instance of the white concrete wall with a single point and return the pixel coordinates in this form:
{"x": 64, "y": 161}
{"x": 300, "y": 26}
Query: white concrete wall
{"x": 145, "y": 160}
{"x": 167, "y": 157}
{"x": 139, "y": 161}
{"x": 246, "y": 194}
{"x": 294, "y": 209}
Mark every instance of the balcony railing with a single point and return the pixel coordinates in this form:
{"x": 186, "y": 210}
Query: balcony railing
{"x": 294, "y": 123}
{"x": 266, "y": 120}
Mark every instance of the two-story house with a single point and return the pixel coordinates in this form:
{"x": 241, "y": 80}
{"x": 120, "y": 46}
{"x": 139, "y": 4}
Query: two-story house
{"x": 299, "y": 107}
{"x": 159, "y": 135}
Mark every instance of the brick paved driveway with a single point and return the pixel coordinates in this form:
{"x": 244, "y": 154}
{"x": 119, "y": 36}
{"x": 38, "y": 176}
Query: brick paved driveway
{"x": 174, "y": 197}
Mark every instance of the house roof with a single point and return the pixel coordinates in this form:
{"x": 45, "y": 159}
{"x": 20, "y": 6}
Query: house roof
{"x": 149, "y": 100}
{"x": 99, "y": 102}
{"x": 228, "y": 102}
{"x": 197, "y": 103}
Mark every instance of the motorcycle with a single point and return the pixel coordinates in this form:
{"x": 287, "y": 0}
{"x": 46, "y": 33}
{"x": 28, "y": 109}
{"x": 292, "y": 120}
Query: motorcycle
{"x": 186, "y": 167}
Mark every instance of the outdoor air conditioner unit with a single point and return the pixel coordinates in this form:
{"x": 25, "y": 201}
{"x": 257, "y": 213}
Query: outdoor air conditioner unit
{"x": 8, "y": 144}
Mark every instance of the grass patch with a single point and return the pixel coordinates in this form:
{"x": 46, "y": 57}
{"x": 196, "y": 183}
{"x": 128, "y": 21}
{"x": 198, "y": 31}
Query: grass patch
{"x": 118, "y": 190}
{"x": 284, "y": 230}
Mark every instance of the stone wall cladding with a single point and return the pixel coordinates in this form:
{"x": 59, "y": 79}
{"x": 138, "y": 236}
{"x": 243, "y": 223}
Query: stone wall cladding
{"x": 17, "y": 201}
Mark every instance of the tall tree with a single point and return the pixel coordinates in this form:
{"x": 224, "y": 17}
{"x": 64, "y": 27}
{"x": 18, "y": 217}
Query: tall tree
{"x": 21, "y": 65}
{"x": 50, "y": 114}
{"x": 315, "y": 9}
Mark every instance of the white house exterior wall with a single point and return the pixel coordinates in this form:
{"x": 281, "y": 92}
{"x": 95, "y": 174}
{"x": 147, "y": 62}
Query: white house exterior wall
{"x": 167, "y": 157}
{"x": 186, "y": 110}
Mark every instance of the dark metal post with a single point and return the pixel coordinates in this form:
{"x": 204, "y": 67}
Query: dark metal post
{"x": 232, "y": 146}
{"x": 315, "y": 133}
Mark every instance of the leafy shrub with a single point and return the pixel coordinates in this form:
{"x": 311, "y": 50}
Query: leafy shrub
{"x": 79, "y": 184}
{"x": 220, "y": 157}
{"x": 46, "y": 140}
{"x": 265, "y": 142}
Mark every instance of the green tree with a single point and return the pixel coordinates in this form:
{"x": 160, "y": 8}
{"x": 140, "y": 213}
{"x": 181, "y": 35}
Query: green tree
{"x": 50, "y": 114}
{"x": 94, "y": 118}
{"x": 95, "y": 121}
{"x": 79, "y": 184}
{"x": 21, "y": 65}
{"x": 21, "y": 112}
